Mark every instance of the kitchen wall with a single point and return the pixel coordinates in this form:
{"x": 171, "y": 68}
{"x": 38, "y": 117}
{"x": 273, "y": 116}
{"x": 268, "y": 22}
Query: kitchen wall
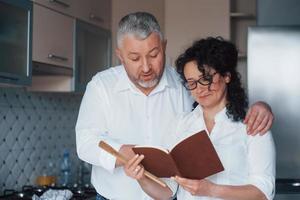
{"x": 120, "y": 8}
{"x": 182, "y": 21}
{"x": 187, "y": 21}
{"x": 35, "y": 128}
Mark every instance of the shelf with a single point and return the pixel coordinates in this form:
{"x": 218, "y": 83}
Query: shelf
{"x": 242, "y": 15}
{"x": 46, "y": 69}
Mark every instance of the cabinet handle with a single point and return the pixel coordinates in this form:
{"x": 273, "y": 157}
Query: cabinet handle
{"x": 95, "y": 17}
{"x": 60, "y": 3}
{"x": 55, "y": 57}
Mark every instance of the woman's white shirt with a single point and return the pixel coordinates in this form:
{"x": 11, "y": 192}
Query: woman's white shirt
{"x": 246, "y": 159}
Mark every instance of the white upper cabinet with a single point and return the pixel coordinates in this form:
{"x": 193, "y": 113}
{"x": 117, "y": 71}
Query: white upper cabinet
{"x": 97, "y": 12}
{"x": 52, "y": 37}
{"x": 64, "y": 6}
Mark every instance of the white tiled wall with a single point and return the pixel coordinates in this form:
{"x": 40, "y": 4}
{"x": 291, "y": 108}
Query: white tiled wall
{"x": 35, "y": 128}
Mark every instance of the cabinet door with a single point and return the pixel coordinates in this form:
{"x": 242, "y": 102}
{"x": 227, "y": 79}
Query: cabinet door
{"x": 64, "y": 6}
{"x": 15, "y": 42}
{"x": 97, "y": 12}
{"x": 52, "y": 37}
{"x": 93, "y": 52}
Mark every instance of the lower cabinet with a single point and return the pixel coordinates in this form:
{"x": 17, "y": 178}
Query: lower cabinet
{"x": 287, "y": 197}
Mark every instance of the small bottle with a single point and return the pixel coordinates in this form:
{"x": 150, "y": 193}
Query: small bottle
{"x": 79, "y": 174}
{"x": 65, "y": 169}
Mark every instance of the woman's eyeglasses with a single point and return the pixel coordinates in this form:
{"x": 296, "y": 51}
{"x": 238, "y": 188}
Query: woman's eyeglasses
{"x": 204, "y": 80}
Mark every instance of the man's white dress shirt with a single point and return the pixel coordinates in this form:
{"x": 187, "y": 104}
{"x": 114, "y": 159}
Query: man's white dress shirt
{"x": 115, "y": 111}
{"x": 246, "y": 159}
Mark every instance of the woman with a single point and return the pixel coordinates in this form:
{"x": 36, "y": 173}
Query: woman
{"x": 209, "y": 70}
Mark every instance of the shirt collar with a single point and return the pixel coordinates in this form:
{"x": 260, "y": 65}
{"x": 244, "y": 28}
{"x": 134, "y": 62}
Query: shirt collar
{"x": 165, "y": 81}
{"x": 123, "y": 82}
{"x": 221, "y": 116}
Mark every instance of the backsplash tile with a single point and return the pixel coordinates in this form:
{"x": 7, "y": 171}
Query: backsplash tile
{"x": 35, "y": 128}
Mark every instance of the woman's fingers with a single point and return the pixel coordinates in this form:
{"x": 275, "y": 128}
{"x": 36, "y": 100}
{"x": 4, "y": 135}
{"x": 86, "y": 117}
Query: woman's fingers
{"x": 187, "y": 184}
{"x": 133, "y": 167}
{"x": 140, "y": 172}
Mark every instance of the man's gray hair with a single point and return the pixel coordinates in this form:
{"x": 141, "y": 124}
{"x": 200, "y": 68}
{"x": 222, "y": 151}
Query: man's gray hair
{"x": 139, "y": 24}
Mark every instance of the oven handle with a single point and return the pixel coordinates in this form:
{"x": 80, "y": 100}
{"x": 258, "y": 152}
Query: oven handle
{"x": 9, "y": 192}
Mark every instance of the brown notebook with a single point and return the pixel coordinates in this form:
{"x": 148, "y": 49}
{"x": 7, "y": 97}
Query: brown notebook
{"x": 194, "y": 157}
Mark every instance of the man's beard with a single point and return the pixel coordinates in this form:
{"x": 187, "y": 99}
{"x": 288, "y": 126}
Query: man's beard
{"x": 148, "y": 84}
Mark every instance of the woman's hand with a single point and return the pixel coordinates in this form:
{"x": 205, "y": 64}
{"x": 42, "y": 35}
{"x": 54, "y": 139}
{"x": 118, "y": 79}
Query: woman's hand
{"x": 196, "y": 187}
{"x": 134, "y": 169}
{"x": 259, "y": 118}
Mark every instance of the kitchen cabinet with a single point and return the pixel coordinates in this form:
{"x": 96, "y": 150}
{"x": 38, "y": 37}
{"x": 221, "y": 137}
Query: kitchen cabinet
{"x": 52, "y": 37}
{"x": 52, "y": 50}
{"x": 15, "y": 42}
{"x": 287, "y": 197}
{"x": 242, "y": 15}
{"x": 93, "y": 52}
{"x": 63, "y": 6}
{"x": 97, "y": 12}
{"x": 67, "y": 52}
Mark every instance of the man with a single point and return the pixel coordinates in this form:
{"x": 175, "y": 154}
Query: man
{"x": 132, "y": 104}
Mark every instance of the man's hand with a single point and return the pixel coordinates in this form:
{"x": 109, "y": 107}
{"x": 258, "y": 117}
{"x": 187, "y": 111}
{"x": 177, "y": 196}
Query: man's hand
{"x": 259, "y": 118}
{"x": 126, "y": 151}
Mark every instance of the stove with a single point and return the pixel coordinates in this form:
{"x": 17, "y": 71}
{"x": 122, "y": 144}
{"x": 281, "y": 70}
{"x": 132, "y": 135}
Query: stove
{"x": 79, "y": 193}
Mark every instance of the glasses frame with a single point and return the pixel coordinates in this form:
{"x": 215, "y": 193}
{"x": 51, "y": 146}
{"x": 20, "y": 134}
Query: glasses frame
{"x": 205, "y": 80}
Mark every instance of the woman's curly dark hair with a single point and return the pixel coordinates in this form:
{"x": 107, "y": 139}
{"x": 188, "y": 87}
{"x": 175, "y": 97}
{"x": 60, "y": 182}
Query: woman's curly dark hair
{"x": 222, "y": 56}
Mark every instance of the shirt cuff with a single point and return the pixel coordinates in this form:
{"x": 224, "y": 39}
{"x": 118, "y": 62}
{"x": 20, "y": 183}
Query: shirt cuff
{"x": 265, "y": 186}
{"x": 107, "y": 160}
{"x": 171, "y": 184}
